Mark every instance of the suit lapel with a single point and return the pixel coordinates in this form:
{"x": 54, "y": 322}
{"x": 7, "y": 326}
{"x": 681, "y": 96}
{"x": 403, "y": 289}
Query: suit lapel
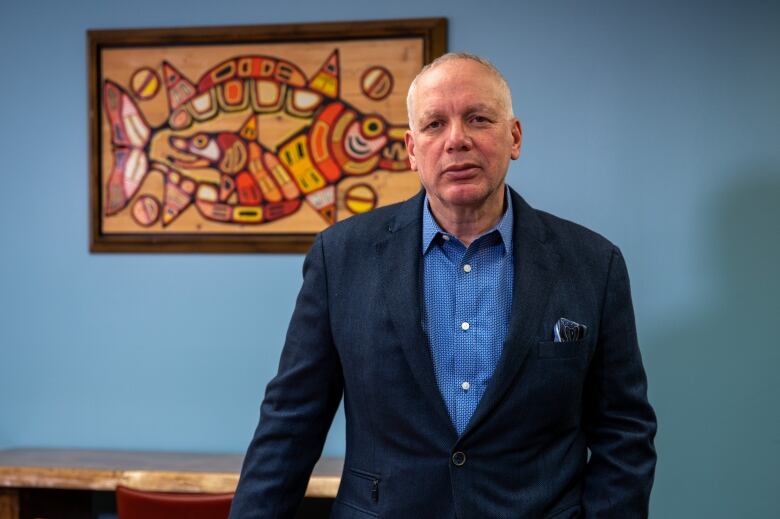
{"x": 535, "y": 267}
{"x": 400, "y": 258}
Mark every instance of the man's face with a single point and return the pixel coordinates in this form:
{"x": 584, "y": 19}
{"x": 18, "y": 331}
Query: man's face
{"x": 463, "y": 135}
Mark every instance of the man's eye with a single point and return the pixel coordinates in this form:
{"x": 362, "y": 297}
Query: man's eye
{"x": 433, "y": 125}
{"x": 479, "y": 119}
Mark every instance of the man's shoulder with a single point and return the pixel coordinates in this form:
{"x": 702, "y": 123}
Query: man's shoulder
{"x": 567, "y": 231}
{"x": 569, "y": 239}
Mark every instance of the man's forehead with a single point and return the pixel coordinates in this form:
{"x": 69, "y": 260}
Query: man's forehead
{"x": 455, "y": 71}
{"x": 459, "y": 76}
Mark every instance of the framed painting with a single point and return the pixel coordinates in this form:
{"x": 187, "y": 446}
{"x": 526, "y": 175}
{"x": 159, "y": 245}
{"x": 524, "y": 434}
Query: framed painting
{"x": 248, "y": 138}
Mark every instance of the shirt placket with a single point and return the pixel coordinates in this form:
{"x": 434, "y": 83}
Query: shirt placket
{"x": 468, "y": 361}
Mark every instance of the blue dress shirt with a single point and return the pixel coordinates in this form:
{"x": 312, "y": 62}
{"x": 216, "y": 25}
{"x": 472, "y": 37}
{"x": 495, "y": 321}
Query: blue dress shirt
{"x": 467, "y": 303}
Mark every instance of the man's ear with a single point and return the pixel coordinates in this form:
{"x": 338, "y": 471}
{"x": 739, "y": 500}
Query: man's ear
{"x": 517, "y": 138}
{"x": 409, "y": 140}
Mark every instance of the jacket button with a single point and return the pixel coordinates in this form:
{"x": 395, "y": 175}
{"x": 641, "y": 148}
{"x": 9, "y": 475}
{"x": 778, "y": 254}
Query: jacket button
{"x": 459, "y": 459}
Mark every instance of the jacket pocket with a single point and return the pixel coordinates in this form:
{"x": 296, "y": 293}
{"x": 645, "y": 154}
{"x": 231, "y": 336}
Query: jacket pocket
{"x": 561, "y": 350}
{"x": 570, "y": 512}
{"x": 359, "y": 490}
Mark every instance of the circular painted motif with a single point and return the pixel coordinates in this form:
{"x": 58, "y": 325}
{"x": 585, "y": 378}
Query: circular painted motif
{"x": 360, "y": 198}
{"x": 146, "y": 210}
{"x": 145, "y": 83}
{"x": 376, "y": 83}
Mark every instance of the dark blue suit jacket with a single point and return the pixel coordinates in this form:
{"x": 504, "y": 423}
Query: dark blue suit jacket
{"x": 357, "y": 330}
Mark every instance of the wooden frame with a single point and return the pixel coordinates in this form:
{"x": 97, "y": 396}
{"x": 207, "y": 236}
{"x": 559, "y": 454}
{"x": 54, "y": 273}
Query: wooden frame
{"x": 192, "y": 171}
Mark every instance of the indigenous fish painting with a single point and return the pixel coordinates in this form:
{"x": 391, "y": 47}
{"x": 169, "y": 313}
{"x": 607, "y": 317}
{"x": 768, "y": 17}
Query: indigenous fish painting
{"x": 256, "y": 138}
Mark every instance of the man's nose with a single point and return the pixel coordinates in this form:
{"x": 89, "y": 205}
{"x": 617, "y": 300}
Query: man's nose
{"x": 458, "y": 138}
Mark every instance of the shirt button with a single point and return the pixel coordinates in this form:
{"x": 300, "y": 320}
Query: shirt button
{"x": 445, "y": 237}
{"x": 458, "y": 459}
{"x": 464, "y": 326}
{"x": 466, "y": 268}
{"x": 465, "y": 386}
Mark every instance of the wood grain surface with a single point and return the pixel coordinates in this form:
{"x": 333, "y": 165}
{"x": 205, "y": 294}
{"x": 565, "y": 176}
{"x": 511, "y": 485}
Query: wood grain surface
{"x": 154, "y": 471}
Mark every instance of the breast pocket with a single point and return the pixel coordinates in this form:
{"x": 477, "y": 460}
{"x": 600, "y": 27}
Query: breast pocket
{"x": 561, "y": 350}
{"x": 554, "y": 380}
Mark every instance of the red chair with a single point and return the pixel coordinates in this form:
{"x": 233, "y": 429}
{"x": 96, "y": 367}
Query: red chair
{"x": 138, "y": 504}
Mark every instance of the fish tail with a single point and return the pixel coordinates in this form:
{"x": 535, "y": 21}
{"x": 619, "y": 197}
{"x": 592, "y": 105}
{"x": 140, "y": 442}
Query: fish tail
{"x": 130, "y": 135}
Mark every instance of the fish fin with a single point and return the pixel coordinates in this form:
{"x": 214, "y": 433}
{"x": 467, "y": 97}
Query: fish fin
{"x": 180, "y": 89}
{"x": 326, "y": 80}
{"x": 324, "y": 202}
{"x": 176, "y": 198}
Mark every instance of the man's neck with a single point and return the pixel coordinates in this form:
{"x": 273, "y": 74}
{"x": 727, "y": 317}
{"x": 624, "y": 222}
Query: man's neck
{"x": 468, "y": 223}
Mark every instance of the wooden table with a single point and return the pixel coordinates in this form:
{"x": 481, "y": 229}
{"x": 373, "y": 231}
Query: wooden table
{"x": 103, "y": 470}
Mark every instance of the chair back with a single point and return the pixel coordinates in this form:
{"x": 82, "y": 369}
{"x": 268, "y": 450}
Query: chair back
{"x": 139, "y": 504}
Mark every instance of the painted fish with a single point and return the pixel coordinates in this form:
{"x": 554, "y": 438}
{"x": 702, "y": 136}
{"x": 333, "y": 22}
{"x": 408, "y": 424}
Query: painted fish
{"x": 256, "y": 184}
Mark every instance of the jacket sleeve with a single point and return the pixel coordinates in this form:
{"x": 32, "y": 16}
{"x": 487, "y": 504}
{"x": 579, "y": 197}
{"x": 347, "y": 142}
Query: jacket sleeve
{"x": 619, "y": 423}
{"x": 298, "y": 407}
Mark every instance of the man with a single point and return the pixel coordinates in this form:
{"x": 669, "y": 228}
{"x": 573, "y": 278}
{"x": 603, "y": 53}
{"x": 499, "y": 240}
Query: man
{"x": 483, "y": 348}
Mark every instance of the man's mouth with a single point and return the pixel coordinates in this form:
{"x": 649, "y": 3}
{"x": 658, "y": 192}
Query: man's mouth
{"x": 461, "y": 168}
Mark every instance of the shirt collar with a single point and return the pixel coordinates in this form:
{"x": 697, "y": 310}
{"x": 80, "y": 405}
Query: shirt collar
{"x": 430, "y": 228}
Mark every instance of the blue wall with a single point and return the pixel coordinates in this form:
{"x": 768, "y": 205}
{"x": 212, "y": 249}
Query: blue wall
{"x": 654, "y": 123}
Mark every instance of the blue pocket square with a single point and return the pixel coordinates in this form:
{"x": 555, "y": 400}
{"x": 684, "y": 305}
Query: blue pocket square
{"x": 569, "y": 331}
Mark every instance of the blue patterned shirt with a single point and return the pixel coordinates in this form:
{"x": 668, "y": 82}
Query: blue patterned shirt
{"x": 467, "y": 302}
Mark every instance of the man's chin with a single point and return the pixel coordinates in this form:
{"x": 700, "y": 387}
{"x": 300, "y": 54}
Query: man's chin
{"x": 467, "y": 196}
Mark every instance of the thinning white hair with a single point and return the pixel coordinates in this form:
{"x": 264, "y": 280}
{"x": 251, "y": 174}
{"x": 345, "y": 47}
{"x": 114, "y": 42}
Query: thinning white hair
{"x": 455, "y": 56}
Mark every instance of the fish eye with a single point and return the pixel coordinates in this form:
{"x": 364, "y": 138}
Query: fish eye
{"x": 200, "y": 141}
{"x": 373, "y": 126}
